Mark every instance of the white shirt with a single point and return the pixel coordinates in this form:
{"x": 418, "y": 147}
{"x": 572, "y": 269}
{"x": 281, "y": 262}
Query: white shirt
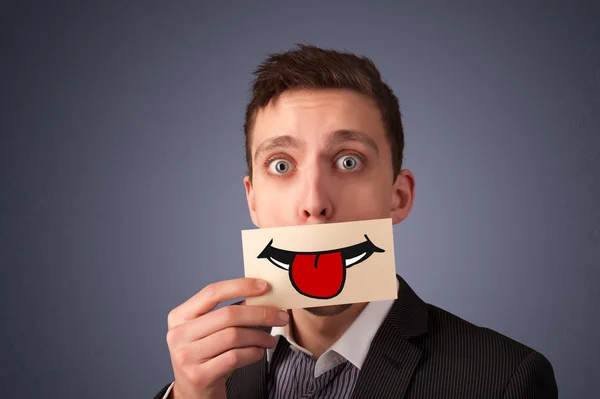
{"x": 353, "y": 345}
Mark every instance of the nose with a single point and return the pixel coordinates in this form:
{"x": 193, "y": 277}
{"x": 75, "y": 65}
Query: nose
{"x": 315, "y": 204}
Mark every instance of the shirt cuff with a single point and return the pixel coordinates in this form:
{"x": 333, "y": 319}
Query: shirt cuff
{"x": 166, "y": 395}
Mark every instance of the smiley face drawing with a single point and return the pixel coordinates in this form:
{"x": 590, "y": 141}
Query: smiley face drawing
{"x": 320, "y": 274}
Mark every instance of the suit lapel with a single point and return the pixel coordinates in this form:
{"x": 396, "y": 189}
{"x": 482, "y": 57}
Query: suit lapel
{"x": 249, "y": 382}
{"x": 392, "y": 359}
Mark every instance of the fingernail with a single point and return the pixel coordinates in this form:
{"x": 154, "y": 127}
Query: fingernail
{"x": 261, "y": 284}
{"x": 283, "y": 316}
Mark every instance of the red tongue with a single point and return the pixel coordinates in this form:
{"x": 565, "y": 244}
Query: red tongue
{"x": 318, "y": 276}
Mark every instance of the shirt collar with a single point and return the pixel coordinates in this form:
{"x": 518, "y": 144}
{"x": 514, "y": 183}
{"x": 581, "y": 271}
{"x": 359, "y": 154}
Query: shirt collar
{"x": 354, "y": 344}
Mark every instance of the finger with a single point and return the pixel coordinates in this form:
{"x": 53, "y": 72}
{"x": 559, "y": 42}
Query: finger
{"x": 223, "y": 341}
{"x": 237, "y": 316}
{"x": 210, "y": 296}
{"x": 222, "y": 365}
{"x": 221, "y": 319}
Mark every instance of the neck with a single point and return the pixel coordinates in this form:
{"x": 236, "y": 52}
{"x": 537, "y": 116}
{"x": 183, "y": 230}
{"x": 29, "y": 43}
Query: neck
{"x": 319, "y": 333}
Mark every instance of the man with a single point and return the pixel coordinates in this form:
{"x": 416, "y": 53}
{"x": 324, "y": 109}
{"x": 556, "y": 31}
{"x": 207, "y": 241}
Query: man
{"x": 324, "y": 144}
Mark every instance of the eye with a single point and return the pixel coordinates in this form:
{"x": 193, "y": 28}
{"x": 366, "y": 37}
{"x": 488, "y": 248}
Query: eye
{"x": 348, "y": 162}
{"x": 279, "y": 166}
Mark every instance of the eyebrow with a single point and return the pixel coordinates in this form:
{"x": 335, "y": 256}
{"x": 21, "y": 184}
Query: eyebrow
{"x": 334, "y": 138}
{"x": 285, "y": 141}
{"x": 343, "y": 135}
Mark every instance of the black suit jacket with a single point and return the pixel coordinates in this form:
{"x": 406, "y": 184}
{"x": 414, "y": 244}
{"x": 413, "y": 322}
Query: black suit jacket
{"x": 422, "y": 351}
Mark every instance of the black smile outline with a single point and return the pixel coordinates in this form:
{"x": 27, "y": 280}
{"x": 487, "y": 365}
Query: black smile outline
{"x": 287, "y": 257}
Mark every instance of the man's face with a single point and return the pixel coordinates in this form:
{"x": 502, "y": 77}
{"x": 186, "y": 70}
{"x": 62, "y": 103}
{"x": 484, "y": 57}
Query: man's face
{"x": 322, "y": 156}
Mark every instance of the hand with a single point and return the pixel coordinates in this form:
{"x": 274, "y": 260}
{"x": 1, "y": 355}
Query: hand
{"x": 207, "y": 346}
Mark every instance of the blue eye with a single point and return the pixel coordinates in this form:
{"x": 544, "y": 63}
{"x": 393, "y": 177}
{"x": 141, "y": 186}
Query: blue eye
{"x": 279, "y": 166}
{"x": 348, "y": 162}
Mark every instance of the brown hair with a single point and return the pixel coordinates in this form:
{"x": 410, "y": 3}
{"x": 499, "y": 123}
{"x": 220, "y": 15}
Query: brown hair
{"x": 311, "y": 67}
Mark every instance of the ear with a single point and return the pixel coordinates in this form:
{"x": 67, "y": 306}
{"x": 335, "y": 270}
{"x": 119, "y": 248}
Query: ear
{"x": 403, "y": 195}
{"x": 250, "y": 199}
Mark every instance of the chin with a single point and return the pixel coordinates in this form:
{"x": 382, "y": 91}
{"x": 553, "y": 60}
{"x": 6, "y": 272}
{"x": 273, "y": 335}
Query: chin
{"x": 328, "y": 310}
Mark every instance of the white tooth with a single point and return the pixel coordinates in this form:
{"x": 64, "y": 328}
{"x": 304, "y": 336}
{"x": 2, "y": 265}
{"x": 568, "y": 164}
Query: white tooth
{"x": 280, "y": 264}
{"x": 352, "y": 261}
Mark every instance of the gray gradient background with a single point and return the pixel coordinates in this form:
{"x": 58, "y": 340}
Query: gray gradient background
{"x": 121, "y": 159}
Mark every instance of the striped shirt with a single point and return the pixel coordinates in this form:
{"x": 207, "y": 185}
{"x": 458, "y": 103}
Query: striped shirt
{"x": 292, "y": 375}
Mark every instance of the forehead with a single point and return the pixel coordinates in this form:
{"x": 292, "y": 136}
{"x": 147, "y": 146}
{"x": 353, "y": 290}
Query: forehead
{"x": 311, "y": 113}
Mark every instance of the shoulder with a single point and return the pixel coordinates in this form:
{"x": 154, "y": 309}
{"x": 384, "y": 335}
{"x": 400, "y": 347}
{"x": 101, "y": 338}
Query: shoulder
{"x": 479, "y": 353}
{"x": 447, "y": 328}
